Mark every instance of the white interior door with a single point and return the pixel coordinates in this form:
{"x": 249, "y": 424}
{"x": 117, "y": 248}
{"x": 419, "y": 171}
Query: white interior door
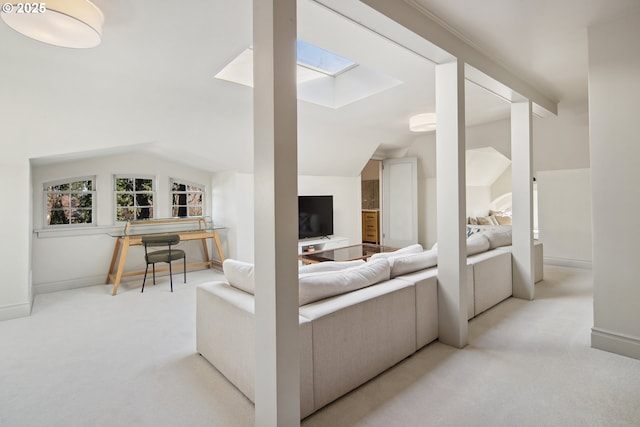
{"x": 400, "y": 202}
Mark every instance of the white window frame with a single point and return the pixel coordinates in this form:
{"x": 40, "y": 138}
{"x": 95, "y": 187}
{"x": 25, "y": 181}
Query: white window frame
{"x": 203, "y": 192}
{"x": 92, "y": 192}
{"x": 153, "y": 192}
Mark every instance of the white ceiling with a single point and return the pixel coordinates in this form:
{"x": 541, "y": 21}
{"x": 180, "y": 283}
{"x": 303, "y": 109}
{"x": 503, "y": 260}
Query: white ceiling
{"x": 150, "y": 85}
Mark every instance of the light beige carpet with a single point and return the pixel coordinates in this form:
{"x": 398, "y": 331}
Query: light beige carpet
{"x": 85, "y": 358}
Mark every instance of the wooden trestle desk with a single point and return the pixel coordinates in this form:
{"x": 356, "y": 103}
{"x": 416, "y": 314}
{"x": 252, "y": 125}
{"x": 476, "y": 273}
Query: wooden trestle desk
{"x": 186, "y": 228}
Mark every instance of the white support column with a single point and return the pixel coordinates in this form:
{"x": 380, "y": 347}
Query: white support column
{"x": 522, "y": 188}
{"x": 277, "y": 392}
{"x": 451, "y": 205}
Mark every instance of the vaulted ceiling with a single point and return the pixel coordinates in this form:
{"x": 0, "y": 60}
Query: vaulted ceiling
{"x": 150, "y": 85}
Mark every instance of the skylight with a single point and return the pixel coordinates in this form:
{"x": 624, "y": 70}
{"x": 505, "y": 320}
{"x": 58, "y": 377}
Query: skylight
{"x": 323, "y": 78}
{"x": 322, "y": 60}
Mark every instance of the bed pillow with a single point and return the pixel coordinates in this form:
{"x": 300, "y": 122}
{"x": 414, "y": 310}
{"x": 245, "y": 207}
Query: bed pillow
{"x": 503, "y": 219}
{"x": 325, "y": 284}
{"x": 329, "y": 266}
{"x": 411, "y": 249}
{"x": 239, "y": 274}
{"x": 408, "y": 263}
{"x": 485, "y": 220}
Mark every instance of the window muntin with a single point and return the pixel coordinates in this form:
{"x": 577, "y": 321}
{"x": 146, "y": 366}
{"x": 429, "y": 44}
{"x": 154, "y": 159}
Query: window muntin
{"x": 69, "y": 202}
{"x": 134, "y": 198}
{"x": 187, "y": 199}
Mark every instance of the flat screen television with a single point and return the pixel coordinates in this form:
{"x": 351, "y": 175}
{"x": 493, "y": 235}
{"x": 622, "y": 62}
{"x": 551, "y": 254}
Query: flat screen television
{"x": 315, "y": 216}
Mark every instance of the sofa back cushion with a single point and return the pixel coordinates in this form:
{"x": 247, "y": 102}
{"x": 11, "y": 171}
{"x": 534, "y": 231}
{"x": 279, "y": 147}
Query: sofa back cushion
{"x": 408, "y": 263}
{"x": 239, "y": 274}
{"x": 325, "y": 284}
{"x": 477, "y": 243}
{"x": 329, "y": 266}
{"x": 412, "y": 249}
{"x": 498, "y": 237}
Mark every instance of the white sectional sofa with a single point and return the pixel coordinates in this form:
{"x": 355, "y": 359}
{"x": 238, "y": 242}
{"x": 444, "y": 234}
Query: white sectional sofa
{"x": 356, "y": 319}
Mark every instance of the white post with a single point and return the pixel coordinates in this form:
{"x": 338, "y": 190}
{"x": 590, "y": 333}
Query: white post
{"x": 451, "y": 204}
{"x": 522, "y": 199}
{"x": 277, "y": 382}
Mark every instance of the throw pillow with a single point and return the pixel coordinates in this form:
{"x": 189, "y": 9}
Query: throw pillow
{"x": 408, "y": 263}
{"x": 329, "y": 266}
{"x": 412, "y": 249}
{"x": 239, "y": 274}
{"x": 325, "y": 284}
{"x": 484, "y": 220}
{"x": 472, "y": 230}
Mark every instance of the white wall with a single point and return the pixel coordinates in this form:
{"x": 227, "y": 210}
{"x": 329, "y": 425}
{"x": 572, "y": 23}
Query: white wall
{"x": 63, "y": 258}
{"x": 564, "y": 219}
{"x": 478, "y": 200}
{"x": 424, "y": 149}
{"x": 233, "y": 209}
{"x": 15, "y": 263}
{"x": 234, "y": 191}
{"x": 614, "y": 67}
{"x": 347, "y": 207}
{"x": 502, "y": 185}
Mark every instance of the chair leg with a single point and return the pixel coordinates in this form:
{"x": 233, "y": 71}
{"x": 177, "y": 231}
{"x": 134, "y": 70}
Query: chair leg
{"x": 154, "y": 273}
{"x": 145, "y": 277}
{"x": 171, "y": 276}
{"x": 184, "y": 269}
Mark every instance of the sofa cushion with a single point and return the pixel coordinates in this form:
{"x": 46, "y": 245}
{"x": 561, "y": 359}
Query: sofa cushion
{"x": 329, "y": 266}
{"x": 477, "y": 243}
{"x": 325, "y": 284}
{"x": 411, "y": 249}
{"x": 498, "y": 237}
{"x": 239, "y": 274}
{"x": 408, "y": 263}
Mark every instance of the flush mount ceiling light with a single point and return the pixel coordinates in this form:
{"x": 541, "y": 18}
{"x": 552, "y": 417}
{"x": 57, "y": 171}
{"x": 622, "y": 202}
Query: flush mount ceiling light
{"x": 65, "y": 23}
{"x": 422, "y": 122}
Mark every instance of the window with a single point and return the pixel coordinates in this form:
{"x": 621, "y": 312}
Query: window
{"x": 69, "y": 202}
{"x": 186, "y": 199}
{"x": 134, "y": 198}
{"x": 322, "y": 60}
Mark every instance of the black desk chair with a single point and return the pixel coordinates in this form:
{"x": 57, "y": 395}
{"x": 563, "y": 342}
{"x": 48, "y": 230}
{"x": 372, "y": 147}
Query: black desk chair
{"x": 165, "y": 255}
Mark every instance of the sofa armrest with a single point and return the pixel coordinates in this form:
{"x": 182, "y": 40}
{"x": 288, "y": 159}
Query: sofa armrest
{"x": 225, "y": 336}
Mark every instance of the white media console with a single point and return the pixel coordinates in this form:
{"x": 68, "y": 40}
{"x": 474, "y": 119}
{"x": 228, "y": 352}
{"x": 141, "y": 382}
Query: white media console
{"x": 320, "y": 244}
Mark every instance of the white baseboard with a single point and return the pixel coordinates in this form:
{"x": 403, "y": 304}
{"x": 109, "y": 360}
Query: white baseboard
{"x": 44, "y": 288}
{"x": 615, "y": 343}
{"x": 563, "y": 262}
{"x": 14, "y": 311}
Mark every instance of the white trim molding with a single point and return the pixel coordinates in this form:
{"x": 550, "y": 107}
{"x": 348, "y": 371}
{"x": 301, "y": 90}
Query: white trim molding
{"x": 564, "y": 262}
{"x": 624, "y": 345}
{"x": 14, "y": 311}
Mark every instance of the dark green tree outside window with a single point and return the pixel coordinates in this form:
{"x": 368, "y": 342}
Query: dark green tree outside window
{"x": 187, "y": 200}
{"x": 134, "y": 198}
{"x": 70, "y": 202}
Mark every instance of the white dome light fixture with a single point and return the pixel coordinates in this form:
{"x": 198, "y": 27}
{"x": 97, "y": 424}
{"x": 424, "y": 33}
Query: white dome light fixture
{"x": 422, "y": 122}
{"x": 65, "y": 23}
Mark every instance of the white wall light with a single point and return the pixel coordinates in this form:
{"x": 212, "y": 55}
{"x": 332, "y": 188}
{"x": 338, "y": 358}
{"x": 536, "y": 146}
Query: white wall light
{"x": 422, "y": 122}
{"x": 65, "y": 23}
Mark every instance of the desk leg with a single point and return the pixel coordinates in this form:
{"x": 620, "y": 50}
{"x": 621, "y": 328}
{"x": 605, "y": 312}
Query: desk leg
{"x": 123, "y": 258}
{"x": 114, "y": 257}
{"x": 205, "y": 249}
{"x": 218, "y": 245}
